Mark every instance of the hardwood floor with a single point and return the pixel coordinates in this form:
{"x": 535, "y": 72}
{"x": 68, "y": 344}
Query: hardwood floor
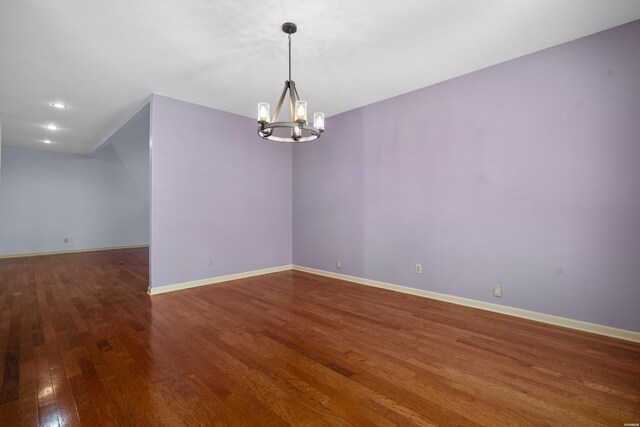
{"x": 81, "y": 343}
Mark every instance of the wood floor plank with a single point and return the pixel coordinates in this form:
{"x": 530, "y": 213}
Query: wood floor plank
{"x": 81, "y": 343}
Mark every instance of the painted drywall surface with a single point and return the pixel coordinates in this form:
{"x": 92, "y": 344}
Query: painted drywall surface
{"x": 524, "y": 174}
{"x": 94, "y": 202}
{"x": 218, "y": 191}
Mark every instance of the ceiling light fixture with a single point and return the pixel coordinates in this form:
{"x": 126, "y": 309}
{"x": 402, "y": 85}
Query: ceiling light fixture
{"x": 59, "y": 105}
{"x": 51, "y": 126}
{"x": 296, "y": 130}
{"x": 47, "y": 141}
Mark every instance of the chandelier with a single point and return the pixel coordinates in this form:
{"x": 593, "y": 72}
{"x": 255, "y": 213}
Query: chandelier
{"x": 296, "y": 130}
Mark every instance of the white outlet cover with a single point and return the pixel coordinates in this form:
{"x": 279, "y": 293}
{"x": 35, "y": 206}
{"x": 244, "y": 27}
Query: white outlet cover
{"x": 497, "y": 291}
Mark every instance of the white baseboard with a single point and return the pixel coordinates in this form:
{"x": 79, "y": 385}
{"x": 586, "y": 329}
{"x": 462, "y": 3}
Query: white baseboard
{"x": 73, "y": 251}
{"x": 214, "y": 280}
{"x": 511, "y": 311}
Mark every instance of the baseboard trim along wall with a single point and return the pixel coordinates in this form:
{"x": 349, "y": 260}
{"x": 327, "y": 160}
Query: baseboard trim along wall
{"x": 73, "y": 251}
{"x": 214, "y": 280}
{"x": 511, "y": 311}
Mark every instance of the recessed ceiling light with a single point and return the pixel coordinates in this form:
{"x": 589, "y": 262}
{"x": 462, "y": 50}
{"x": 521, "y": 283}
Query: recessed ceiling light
{"x": 58, "y": 105}
{"x": 47, "y": 141}
{"x": 51, "y": 126}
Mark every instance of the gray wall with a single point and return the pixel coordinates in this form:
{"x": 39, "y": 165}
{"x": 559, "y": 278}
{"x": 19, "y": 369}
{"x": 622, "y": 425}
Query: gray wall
{"x": 95, "y": 202}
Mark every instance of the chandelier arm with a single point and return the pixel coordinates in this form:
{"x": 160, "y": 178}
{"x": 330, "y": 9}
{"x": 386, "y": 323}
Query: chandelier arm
{"x": 297, "y": 97}
{"x": 279, "y": 105}
{"x": 292, "y": 99}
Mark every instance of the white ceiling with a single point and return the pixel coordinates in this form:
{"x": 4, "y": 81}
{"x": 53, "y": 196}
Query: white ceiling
{"x": 103, "y": 58}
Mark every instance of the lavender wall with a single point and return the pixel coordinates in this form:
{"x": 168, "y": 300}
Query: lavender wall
{"x": 525, "y": 174}
{"x": 217, "y": 191}
{"x": 95, "y": 202}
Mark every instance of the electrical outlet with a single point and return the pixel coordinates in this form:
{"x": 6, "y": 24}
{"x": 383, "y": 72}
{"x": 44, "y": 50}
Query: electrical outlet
{"x": 66, "y": 240}
{"x": 497, "y": 291}
{"x": 418, "y": 268}
{"x": 339, "y": 264}
{"x": 210, "y": 261}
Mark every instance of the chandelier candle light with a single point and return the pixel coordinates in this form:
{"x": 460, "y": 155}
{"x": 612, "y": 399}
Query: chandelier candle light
{"x": 297, "y": 130}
